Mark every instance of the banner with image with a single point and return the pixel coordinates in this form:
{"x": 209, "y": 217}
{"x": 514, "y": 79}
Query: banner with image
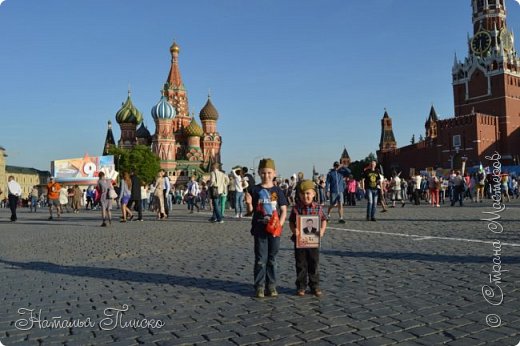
{"x": 83, "y": 171}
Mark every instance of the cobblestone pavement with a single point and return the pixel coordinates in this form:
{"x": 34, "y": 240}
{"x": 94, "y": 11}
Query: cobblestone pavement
{"x": 414, "y": 277}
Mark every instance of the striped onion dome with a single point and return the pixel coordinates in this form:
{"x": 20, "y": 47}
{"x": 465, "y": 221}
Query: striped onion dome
{"x": 193, "y": 129}
{"x": 163, "y": 109}
{"x": 208, "y": 112}
{"x": 128, "y": 113}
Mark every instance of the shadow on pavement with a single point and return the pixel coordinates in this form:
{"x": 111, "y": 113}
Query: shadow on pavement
{"x": 134, "y": 276}
{"x": 414, "y": 256}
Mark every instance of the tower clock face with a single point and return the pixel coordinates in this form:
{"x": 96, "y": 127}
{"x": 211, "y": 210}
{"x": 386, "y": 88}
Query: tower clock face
{"x": 481, "y": 42}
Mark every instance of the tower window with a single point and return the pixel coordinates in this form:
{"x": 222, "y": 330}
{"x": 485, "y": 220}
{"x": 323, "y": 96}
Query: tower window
{"x": 456, "y": 141}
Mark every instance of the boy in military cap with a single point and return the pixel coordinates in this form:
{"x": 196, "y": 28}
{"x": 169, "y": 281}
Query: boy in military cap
{"x": 265, "y": 201}
{"x": 307, "y": 259}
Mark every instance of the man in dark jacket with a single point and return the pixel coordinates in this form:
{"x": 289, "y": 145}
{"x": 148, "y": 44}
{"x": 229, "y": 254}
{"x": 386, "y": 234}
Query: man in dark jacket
{"x": 135, "y": 199}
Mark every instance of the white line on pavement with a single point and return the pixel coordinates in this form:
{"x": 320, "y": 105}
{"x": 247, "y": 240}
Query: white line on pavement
{"x": 421, "y": 237}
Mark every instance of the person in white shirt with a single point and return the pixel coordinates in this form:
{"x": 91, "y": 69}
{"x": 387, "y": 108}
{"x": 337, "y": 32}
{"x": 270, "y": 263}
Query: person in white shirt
{"x": 240, "y": 184}
{"x": 192, "y": 194}
{"x": 167, "y": 196}
{"x": 417, "y": 189}
{"x": 144, "y": 197}
{"x": 14, "y": 191}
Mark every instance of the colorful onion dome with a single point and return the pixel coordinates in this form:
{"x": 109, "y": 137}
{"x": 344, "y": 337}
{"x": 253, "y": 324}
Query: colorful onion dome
{"x": 128, "y": 113}
{"x": 163, "y": 109}
{"x": 193, "y": 129}
{"x": 208, "y": 112}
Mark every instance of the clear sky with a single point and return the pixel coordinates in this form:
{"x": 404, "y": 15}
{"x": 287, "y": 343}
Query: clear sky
{"x": 295, "y": 80}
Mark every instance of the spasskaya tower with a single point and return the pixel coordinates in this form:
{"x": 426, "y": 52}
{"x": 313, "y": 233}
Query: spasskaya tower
{"x": 488, "y": 80}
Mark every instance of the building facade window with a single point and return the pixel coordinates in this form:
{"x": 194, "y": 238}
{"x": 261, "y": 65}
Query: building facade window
{"x": 456, "y": 141}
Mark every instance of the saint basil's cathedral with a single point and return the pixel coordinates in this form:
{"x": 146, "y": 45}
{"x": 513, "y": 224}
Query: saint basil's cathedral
{"x": 486, "y": 90}
{"x": 184, "y": 147}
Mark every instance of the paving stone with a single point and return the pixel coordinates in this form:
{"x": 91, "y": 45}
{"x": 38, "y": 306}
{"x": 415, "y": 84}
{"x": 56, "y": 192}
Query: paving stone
{"x": 409, "y": 324}
{"x": 377, "y": 341}
{"x": 421, "y": 331}
{"x": 367, "y": 333}
{"x": 401, "y": 336}
{"x": 312, "y": 336}
{"x": 288, "y": 341}
{"x": 280, "y": 333}
{"x": 220, "y": 336}
{"x": 434, "y": 339}
{"x": 250, "y": 339}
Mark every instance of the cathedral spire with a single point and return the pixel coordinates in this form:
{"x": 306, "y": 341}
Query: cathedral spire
{"x": 174, "y": 77}
{"x": 174, "y": 89}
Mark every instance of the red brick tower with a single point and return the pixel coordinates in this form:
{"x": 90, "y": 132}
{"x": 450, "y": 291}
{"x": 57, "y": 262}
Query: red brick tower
{"x": 431, "y": 125}
{"x": 488, "y": 80}
{"x": 345, "y": 158}
{"x": 175, "y": 91}
{"x": 163, "y": 142}
{"x": 211, "y": 141}
{"x": 387, "y": 141}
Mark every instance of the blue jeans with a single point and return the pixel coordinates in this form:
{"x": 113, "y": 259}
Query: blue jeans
{"x": 265, "y": 271}
{"x": 34, "y": 203}
{"x": 217, "y": 215}
{"x": 239, "y": 202}
{"x": 372, "y": 203}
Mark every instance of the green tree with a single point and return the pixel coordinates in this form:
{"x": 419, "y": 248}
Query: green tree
{"x": 357, "y": 167}
{"x": 412, "y": 141}
{"x": 139, "y": 159}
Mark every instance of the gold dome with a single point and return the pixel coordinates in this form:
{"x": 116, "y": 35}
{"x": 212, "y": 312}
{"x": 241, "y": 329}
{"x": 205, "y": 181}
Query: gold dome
{"x": 174, "y": 48}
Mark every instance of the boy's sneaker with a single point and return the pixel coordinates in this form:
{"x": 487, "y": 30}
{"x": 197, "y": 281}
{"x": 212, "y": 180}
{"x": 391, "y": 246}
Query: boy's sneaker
{"x": 300, "y": 293}
{"x": 273, "y": 292}
{"x": 341, "y": 221}
{"x": 317, "y": 292}
{"x": 259, "y": 293}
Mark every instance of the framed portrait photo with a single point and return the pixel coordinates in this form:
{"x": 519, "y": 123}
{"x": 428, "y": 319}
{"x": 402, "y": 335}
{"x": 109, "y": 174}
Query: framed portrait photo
{"x": 307, "y": 231}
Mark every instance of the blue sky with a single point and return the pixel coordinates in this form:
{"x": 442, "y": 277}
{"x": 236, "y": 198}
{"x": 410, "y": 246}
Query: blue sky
{"x": 295, "y": 80}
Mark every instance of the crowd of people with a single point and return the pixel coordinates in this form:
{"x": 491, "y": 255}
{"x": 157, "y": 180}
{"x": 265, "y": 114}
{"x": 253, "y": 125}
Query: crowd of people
{"x": 269, "y": 203}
